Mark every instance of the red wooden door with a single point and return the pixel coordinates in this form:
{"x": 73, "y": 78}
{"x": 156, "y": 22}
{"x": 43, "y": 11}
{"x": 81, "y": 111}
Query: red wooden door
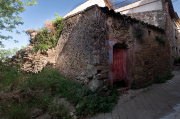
{"x": 119, "y": 64}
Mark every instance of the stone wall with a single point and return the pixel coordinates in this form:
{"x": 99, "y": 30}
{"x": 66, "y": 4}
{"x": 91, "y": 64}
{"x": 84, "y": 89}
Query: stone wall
{"x": 34, "y": 62}
{"x": 144, "y": 61}
{"x": 151, "y": 58}
{"x": 157, "y": 18}
{"x": 169, "y": 36}
{"x": 119, "y": 33}
{"x": 83, "y": 48}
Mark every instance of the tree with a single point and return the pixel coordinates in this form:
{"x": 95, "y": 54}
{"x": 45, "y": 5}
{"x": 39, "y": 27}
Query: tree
{"x": 7, "y": 53}
{"x": 9, "y": 16}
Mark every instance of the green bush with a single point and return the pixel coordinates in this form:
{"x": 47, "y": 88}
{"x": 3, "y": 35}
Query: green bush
{"x": 39, "y": 90}
{"x": 138, "y": 31}
{"x": 59, "y": 24}
{"x": 88, "y": 102}
{"x": 160, "y": 39}
{"x": 7, "y": 53}
{"x": 45, "y": 39}
{"x": 9, "y": 76}
{"x": 15, "y": 110}
{"x": 163, "y": 79}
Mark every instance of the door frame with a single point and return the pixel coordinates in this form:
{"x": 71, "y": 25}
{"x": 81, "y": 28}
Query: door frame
{"x": 112, "y": 43}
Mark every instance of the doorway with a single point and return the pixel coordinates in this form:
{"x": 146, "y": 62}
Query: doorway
{"x": 119, "y": 63}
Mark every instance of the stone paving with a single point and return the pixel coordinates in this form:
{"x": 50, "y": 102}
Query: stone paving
{"x": 159, "y": 101}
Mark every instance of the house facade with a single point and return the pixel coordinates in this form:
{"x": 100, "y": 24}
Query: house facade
{"x": 98, "y": 47}
{"x": 159, "y": 13}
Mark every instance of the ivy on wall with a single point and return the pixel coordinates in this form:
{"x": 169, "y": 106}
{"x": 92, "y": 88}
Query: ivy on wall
{"x": 139, "y": 31}
{"x": 160, "y": 39}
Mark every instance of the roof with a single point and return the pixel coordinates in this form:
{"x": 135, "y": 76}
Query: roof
{"x": 117, "y": 14}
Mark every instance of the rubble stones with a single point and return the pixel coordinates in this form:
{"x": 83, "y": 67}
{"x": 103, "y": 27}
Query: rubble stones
{"x": 94, "y": 84}
{"x": 100, "y": 68}
{"x": 34, "y": 62}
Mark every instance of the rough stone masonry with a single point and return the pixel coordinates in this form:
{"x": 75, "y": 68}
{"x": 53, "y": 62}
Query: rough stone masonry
{"x": 83, "y": 49}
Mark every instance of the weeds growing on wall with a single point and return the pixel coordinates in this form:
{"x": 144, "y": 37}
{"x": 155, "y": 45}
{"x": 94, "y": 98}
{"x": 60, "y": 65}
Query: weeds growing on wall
{"x": 138, "y": 31}
{"x": 160, "y": 39}
{"x": 48, "y": 36}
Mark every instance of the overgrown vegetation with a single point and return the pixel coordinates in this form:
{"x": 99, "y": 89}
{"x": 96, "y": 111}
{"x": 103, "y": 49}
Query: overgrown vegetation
{"x": 48, "y": 36}
{"x": 160, "y": 39}
{"x": 38, "y": 91}
{"x": 163, "y": 79}
{"x": 158, "y": 79}
{"x": 9, "y": 76}
{"x": 138, "y": 31}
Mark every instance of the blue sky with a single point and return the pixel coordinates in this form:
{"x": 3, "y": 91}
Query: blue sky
{"x": 35, "y": 16}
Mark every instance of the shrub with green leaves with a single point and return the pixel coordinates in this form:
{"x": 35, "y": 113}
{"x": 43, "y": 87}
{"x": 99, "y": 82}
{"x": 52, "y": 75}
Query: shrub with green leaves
{"x": 86, "y": 101}
{"x": 160, "y": 39}
{"x": 58, "y": 22}
{"x": 9, "y": 76}
{"x": 40, "y": 90}
{"x": 48, "y": 36}
{"x": 7, "y": 53}
{"x": 45, "y": 40}
{"x": 163, "y": 79}
{"x": 138, "y": 31}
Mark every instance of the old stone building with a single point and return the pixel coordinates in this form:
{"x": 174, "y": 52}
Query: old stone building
{"x": 98, "y": 47}
{"x": 159, "y": 13}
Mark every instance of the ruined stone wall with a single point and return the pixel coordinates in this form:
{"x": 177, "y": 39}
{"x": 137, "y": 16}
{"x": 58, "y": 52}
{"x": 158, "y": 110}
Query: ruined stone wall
{"x": 83, "y": 48}
{"x": 151, "y": 58}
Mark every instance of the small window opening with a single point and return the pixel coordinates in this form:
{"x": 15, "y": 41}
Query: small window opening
{"x": 149, "y": 33}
